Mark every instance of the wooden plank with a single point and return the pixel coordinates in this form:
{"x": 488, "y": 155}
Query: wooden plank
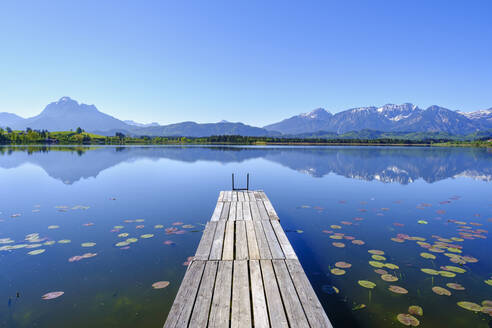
{"x": 272, "y": 240}
{"x": 272, "y": 214}
{"x": 180, "y": 312}
{"x": 239, "y": 211}
{"x": 228, "y": 196}
{"x": 293, "y": 308}
{"x": 201, "y": 310}
{"x": 260, "y": 313}
{"x": 217, "y": 211}
{"x": 241, "y": 306}
{"x": 283, "y": 241}
{"x": 278, "y": 319}
{"x": 246, "y": 196}
{"x": 241, "y": 241}
{"x": 246, "y": 211}
{"x": 261, "y": 240}
{"x": 257, "y": 195}
{"x": 225, "y": 211}
{"x": 240, "y": 196}
{"x": 203, "y": 250}
{"x": 254, "y": 252}
{"x": 228, "y": 252}
{"x": 310, "y": 303}
{"x": 221, "y": 196}
{"x": 262, "y": 210}
{"x": 234, "y": 196}
{"x": 255, "y": 213}
{"x": 218, "y": 242}
{"x": 232, "y": 211}
{"x": 221, "y": 301}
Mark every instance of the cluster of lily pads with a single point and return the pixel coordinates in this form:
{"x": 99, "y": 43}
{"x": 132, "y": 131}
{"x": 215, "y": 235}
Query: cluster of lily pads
{"x": 447, "y": 247}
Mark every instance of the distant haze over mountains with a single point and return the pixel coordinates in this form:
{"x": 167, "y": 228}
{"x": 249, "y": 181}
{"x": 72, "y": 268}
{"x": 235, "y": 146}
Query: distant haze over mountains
{"x": 68, "y": 114}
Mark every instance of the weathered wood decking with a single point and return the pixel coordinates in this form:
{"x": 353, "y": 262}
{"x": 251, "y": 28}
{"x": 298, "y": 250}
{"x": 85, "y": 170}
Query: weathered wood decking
{"x": 245, "y": 272}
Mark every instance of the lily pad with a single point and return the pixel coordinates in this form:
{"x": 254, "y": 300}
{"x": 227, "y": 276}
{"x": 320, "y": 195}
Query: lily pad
{"x": 441, "y": 291}
{"x": 428, "y": 256}
{"x": 447, "y": 274}
{"x": 430, "y": 271}
{"x": 488, "y": 282}
{"x": 65, "y": 241}
{"x": 391, "y": 266}
{"x": 422, "y": 222}
{"x": 88, "y": 244}
{"x": 376, "y": 264}
{"x": 158, "y": 226}
{"x": 53, "y": 227}
{"x": 367, "y": 284}
{"x": 408, "y": 319}
{"x": 36, "y": 252}
{"x": 339, "y": 245}
{"x": 379, "y": 258}
{"x": 470, "y": 306}
{"x": 160, "y": 284}
{"x": 131, "y": 240}
{"x": 416, "y": 310}
{"x": 343, "y": 265}
{"x": 124, "y": 234}
{"x": 389, "y": 277}
{"x": 52, "y": 295}
{"x": 337, "y": 272}
{"x": 375, "y": 252}
{"x": 455, "y": 286}
{"x": 381, "y": 271}
{"x": 149, "y": 235}
{"x": 358, "y": 242}
{"x": 122, "y": 243}
{"x": 397, "y": 289}
{"x": 453, "y": 269}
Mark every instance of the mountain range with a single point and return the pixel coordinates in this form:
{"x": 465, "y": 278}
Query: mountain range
{"x": 68, "y": 114}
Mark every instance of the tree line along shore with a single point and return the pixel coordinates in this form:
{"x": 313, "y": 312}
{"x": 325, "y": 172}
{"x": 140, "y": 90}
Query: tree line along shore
{"x": 80, "y": 137}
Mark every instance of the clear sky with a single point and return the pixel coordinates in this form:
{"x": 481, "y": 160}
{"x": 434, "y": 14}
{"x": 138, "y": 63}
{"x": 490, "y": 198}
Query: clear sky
{"x": 250, "y": 61}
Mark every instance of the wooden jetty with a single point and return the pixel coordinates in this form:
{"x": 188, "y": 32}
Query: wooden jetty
{"x": 245, "y": 272}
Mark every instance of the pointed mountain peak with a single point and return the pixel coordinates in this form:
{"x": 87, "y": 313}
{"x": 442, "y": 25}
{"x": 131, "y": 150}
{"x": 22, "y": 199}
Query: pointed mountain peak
{"x": 317, "y": 113}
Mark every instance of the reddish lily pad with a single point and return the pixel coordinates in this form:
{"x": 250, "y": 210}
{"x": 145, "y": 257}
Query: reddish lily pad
{"x": 52, "y": 295}
{"x": 160, "y": 284}
{"x": 397, "y": 289}
{"x": 408, "y": 319}
{"x": 441, "y": 291}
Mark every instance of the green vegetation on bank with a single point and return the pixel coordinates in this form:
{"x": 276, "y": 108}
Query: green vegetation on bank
{"x": 80, "y": 137}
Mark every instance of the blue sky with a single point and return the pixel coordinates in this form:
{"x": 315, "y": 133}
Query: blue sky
{"x": 250, "y": 61}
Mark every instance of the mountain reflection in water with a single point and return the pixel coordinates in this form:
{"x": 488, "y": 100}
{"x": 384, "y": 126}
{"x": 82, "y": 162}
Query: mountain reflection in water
{"x": 402, "y": 165}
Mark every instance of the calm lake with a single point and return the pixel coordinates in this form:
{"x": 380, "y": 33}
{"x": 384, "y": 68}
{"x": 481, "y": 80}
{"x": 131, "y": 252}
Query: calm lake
{"x": 114, "y": 204}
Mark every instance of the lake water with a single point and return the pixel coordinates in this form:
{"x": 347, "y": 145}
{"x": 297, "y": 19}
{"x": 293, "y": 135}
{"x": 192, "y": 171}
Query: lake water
{"x": 373, "y": 194}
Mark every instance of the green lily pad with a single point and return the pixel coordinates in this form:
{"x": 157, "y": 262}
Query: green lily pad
{"x": 376, "y": 264}
{"x": 447, "y": 274}
{"x": 416, "y": 310}
{"x": 391, "y": 266}
{"x": 408, "y": 319}
{"x": 379, "y": 258}
{"x": 65, "y": 241}
{"x": 122, "y": 244}
{"x": 149, "y": 235}
{"x": 470, "y": 306}
{"x": 430, "y": 271}
{"x": 428, "y": 256}
{"x": 88, "y": 244}
{"x": 375, "y": 252}
{"x": 422, "y": 222}
{"x": 124, "y": 234}
{"x": 367, "y": 284}
{"x": 36, "y": 252}
{"x": 454, "y": 269}
{"x": 441, "y": 291}
{"x": 131, "y": 240}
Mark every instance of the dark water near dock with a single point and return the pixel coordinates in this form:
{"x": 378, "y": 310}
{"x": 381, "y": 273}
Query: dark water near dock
{"x": 323, "y": 195}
